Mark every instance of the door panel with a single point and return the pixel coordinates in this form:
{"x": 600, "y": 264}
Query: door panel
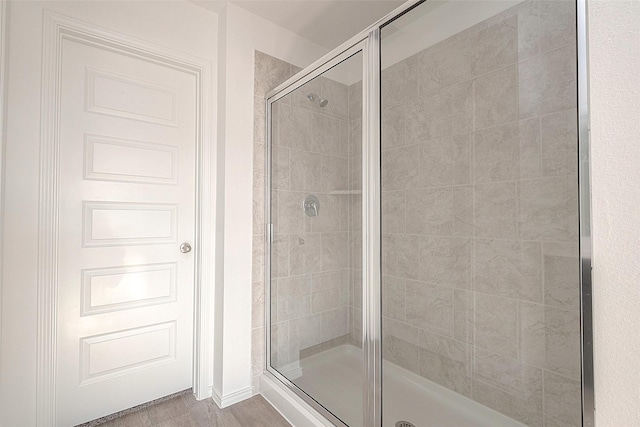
{"x": 125, "y": 310}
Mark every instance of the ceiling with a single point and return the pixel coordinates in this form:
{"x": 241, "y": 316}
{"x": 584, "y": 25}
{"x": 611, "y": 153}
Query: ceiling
{"x": 325, "y": 22}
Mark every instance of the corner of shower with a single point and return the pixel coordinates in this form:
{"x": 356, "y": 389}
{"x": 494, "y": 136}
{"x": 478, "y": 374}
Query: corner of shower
{"x": 427, "y": 255}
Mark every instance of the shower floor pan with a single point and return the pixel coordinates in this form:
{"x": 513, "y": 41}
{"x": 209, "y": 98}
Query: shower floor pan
{"x": 334, "y": 378}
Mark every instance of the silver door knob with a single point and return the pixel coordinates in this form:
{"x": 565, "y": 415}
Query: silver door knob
{"x": 185, "y": 248}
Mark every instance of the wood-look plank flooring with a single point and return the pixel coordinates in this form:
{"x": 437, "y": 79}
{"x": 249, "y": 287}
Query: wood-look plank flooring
{"x": 186, "y": 411}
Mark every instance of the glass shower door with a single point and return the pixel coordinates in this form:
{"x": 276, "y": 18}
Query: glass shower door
{"x": 315, "y": 256}
{"x": 480, "y": 261}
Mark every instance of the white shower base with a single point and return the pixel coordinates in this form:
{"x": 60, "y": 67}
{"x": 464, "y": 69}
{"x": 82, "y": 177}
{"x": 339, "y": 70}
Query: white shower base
{"x": 334, "y": 378}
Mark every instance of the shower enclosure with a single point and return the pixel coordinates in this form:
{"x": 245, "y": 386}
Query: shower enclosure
{"x": 427, "y": 210}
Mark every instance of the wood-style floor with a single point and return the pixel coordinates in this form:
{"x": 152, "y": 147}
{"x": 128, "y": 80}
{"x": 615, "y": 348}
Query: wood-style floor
{"x": 186, "y": 411}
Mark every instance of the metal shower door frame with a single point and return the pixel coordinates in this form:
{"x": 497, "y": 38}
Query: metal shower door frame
{"x": 369, "y": 43}
{"x": 346, "y": 51}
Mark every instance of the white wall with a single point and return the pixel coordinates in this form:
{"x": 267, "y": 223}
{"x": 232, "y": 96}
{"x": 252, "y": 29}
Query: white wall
{"x": 614, "y": 45}
{"x": 176, "y": 25}
{"x": 242, "y": 33}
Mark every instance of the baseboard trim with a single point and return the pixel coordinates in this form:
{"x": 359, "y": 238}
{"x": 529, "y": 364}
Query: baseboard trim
{"x": 290, "y": 406}
{"x": 232, "y": 398}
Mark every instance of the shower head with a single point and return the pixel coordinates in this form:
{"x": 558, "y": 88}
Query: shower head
{"x": 313, "y": 98}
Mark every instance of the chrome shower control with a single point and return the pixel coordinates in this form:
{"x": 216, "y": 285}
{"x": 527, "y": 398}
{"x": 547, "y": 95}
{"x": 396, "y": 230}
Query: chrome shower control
{"x": 311, "y": 205}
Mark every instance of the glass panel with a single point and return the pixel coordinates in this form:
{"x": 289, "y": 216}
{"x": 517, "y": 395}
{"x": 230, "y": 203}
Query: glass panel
{"x": 316, "y": 279}
{"x": 481, "y": 314}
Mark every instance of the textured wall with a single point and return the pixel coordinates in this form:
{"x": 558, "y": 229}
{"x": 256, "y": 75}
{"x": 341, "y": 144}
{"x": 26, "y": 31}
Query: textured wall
{"x": 480, "y": 286}
{"x": 614, "y": 43}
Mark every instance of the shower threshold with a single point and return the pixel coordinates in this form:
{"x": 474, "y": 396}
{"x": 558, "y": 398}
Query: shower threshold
{"x": 334, "y": 378}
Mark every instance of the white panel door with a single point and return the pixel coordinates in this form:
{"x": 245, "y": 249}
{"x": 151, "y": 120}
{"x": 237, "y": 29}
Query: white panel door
{"x": 125, "y": 308}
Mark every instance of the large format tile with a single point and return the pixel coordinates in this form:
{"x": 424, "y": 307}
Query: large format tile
{"x": 461, "y": 166}
{"x": 562, "y": 401}
{"x": 501, "y": 372}
{"x": 528, "y": 29}
{"x": 293, "y": 307}
{"x": 326, "y": 300}
{"x": 429, "y": 117}
{"x": 495, "y": 210}
{"x": 509, "y": 268}
{"x": 335, "y": 250}
{"x": 496, "y": 98}
{"x": 338, "y": 96}
{"x": 393, "y": 212}
{"x": 401, "y": 167}
{"x": 559, "y": 141}
{"x": 295, "y": 128}
{"x": 394, "y": 298}
{"x": 463, "y": 211}
{"x": 304, "y": 332}
{"x": 461, "y": 315}
{"x": 550, "y": 338}
{"x": 430, "y": 211}
{"x": 257, "y": 351}
{"x": 393, "y": 126}
{"x": 257, "y": 258}
{"x": 300, "y": 96}
{"x": 462, "y": 107}
{"x": 280, "y": 255}
{"x": 280, "y": 168}
{"x": 329, "y": 135}
{"x": 258, "y": 210}
{"x": 445, "y": 362}
{"x": 548, "y": 208}
{"x": 562, "y": 335}
{"x": 525, "y": 407}
{"x": 259, "y": 120}
{"x": 430, "y": 307}
{"x": 280, "y": 345}
{"x": 269, "y": 73}
{"x": 497, "y": 153}
{"x": 446, "y": 261}
{"x": 400, "y": 345}
{"x": 400, "y": 82}
{"x": 400, "y": 255}
{"x": 529, "y": 140}
{"x": 335, "y": 173}
{"x": 305, "y": 253}
{"x": 493, "y": 45}
{"x": 337, "y": 279}
{"x": 547, "y": 82}
{"x": 444, "y": 63}
{"x": 333, "y": 214}
{"x": 334, "y": 323}
{"x": 290, "y": 218}
{"x": 561, "y": 275}
{"x": 437, "y": 165}
{"x": 496, "y": 325}
{"x": 557, "y": 24}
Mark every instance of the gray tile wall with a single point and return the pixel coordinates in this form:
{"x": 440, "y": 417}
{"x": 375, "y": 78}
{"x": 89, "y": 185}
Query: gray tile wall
{"x": 480, "y": 214}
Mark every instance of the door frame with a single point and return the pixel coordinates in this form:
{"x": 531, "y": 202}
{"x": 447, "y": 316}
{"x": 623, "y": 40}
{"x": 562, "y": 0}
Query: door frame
{"x": 56, "y": 29}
